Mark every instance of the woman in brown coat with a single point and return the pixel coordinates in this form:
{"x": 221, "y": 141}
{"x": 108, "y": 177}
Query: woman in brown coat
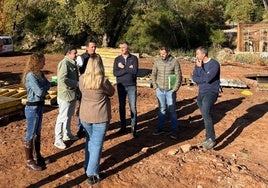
{"x": 95, "y": 113}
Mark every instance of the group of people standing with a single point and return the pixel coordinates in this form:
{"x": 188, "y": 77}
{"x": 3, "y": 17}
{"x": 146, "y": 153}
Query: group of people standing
{"x": 81, "y": 79}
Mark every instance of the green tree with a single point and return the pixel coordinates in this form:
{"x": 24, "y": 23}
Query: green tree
{"x": 146, "y": 24}
{"x": 151, "y": 27}
{"x": 243, "y": 11}
{"x": 8, "y": 12}
{"x": 217, "y": 38}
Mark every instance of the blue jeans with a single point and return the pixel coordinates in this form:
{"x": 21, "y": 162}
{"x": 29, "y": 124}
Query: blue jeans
{"x": 167, "y": 100}
{"x": 34, "y": 116}
{"x": 95, "y": 134}
{"x": 63, "y": 123}
{"x": 205, "y": 102}
{"x": 79, "y": 124}
{"x": 131, "y": 92}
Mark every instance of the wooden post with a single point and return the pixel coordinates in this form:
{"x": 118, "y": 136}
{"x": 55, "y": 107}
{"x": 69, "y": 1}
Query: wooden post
{"x": 239, "y": 37}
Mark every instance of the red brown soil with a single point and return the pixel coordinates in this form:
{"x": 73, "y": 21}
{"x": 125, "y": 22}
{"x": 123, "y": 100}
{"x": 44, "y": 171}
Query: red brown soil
{"x": 240, "y": 158}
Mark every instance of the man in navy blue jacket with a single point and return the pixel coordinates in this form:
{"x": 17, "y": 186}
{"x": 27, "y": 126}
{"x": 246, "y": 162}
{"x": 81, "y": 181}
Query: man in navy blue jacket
{"x": 125, "y": 70}
{"x": 207, "y": 76}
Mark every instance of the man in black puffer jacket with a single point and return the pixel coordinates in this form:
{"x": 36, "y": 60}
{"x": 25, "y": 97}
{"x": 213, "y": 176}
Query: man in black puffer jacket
{"x": 82, "y": 61}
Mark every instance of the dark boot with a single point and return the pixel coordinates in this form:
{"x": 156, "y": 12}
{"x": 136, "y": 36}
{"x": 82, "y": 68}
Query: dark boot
{"x": 29, "y": 156}
{"x": 41, "y": 161}
{"x": 133, "y": 131}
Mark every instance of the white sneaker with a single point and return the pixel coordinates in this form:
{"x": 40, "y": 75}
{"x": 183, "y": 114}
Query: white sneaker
{"x": 207, "y": 144}
{"x": 66, "y": 138}
{"x": 60, "y": 145}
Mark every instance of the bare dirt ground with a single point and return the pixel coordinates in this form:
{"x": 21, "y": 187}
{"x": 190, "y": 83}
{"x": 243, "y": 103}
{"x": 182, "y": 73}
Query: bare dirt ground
{"x": 240, "y": 158}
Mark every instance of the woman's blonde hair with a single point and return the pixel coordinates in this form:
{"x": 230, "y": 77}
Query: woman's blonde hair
{"x": 32, "y": 65}
{"x": 94, "y": 73}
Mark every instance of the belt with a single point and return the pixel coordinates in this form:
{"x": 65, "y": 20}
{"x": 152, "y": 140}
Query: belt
{"x": 37, "y": 103}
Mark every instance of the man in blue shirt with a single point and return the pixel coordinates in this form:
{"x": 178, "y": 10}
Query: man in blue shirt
{"x": 207, "y": 76}
{"x": 125, "y": 69}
